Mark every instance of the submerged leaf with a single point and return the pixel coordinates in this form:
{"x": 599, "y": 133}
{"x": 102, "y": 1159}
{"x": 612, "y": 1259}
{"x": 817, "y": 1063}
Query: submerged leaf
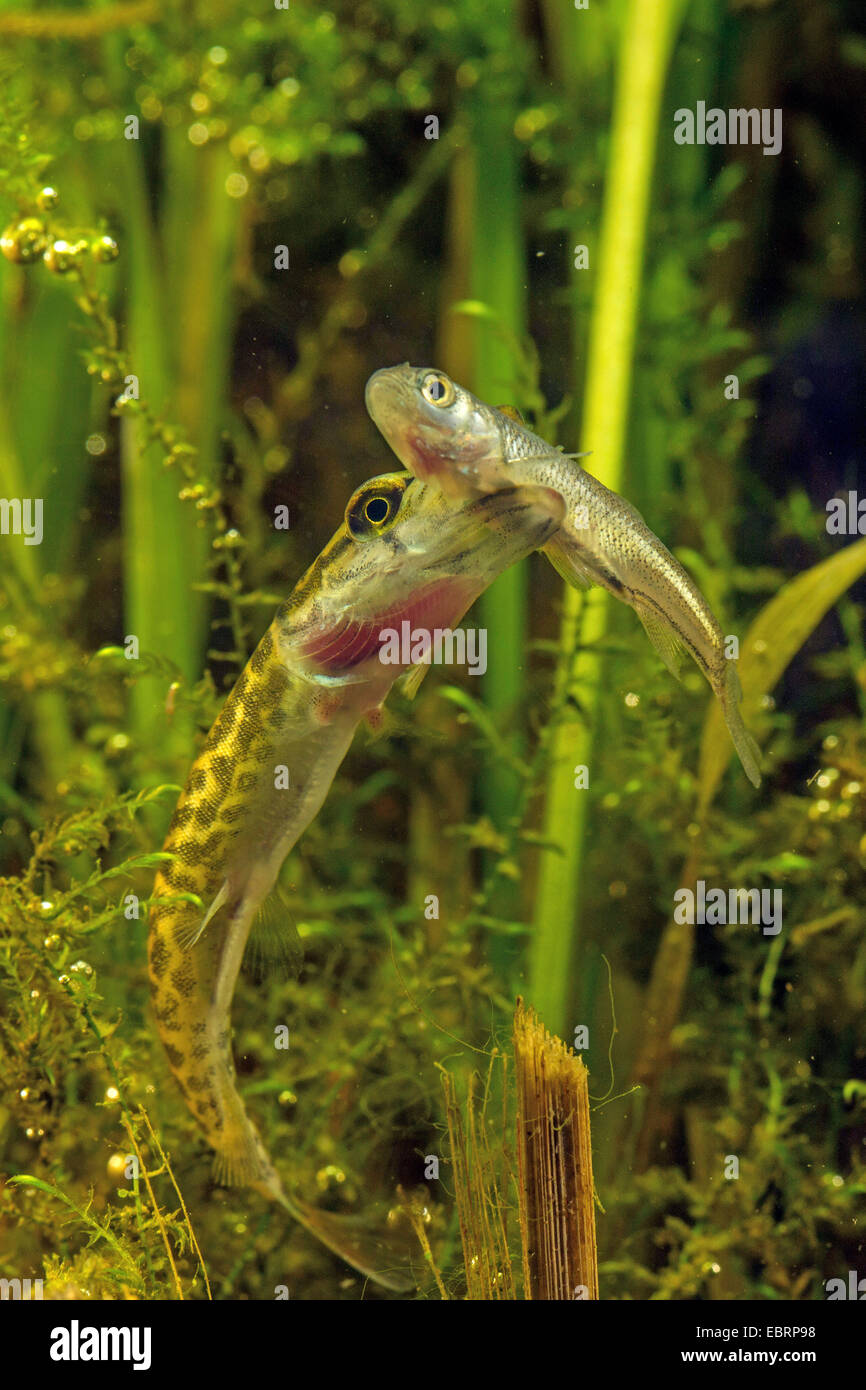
{"x": 772, "y": 642}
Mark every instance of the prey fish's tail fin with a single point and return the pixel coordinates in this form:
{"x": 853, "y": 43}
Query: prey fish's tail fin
{"x": 748, "y": 751}
{"x": 378, "y": 1254}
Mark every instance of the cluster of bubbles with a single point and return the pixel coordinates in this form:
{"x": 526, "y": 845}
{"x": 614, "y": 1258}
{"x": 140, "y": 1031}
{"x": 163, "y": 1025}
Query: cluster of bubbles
{"x": 33, "y": 1131}
{"x": 30, "y": 240}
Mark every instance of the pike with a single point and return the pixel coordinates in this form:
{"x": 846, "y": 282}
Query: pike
{"x": 404, "y": 552}
{"x": 443, "y": 433}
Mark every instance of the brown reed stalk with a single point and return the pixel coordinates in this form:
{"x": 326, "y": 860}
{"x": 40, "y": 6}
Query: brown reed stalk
{"x": 555, "y": 1187}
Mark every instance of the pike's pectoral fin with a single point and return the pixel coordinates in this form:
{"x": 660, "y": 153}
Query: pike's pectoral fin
{"x": 274, "y": 942}
{"x": 665, "y": 641}
{"x": 413, "y": 678}
{"x": 188, "y": 936}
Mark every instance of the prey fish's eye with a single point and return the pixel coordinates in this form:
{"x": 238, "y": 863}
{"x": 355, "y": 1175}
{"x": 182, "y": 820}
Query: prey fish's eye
{"x": 437, "y": 389}
{"x": 375, "y": 506}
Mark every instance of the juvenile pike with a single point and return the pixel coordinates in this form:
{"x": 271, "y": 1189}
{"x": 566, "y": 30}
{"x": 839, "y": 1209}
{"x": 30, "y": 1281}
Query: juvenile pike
{"x": 441, "y": 432}
{"x": 404, "y": 551}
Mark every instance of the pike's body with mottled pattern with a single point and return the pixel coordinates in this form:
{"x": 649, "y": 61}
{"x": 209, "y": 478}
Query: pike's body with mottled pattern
{"x": 404, "y": 551}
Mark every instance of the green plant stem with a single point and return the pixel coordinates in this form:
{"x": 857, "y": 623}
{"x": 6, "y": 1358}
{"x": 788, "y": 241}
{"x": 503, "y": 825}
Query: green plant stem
{"x": 493, "y": 245}
{"x": 646, "y": 41}
{"x": 162, "y": 612}
{"x": 50, "y": 728}
{"x": 497, "y": 280}
{"x": 160, "y": 533}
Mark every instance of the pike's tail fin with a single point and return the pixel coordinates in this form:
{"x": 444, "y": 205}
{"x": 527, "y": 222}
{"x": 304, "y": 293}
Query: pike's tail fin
{"x": 748, "y": 751}
{"x": 380, "y": 1255}
{"x": 243, "y": 1160}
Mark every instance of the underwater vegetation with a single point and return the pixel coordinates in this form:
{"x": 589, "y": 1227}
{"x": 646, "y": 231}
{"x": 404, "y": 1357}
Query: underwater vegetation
{"x": 216, "y": 222}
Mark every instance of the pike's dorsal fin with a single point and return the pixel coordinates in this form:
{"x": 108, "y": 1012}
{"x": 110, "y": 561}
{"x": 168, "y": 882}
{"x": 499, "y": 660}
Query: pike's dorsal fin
{"x": 665, "y": 641}
{"x": 512, "y": 412}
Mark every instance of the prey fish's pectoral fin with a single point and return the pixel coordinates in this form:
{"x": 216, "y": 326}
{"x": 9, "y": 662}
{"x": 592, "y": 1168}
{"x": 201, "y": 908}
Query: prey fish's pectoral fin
{"x": 665, "y": 641}
{"x": 188, "y": 936}
{"x": 568, "y": 565}
{"x": 512, "y": 412}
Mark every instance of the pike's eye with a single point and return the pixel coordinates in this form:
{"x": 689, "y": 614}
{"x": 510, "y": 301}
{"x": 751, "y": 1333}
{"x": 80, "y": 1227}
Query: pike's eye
{"x": 374, "y": 507}
{"x": 437, "y": 389}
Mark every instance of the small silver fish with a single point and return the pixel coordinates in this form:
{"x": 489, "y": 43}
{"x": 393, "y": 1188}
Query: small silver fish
{"x": 443, "y": 433}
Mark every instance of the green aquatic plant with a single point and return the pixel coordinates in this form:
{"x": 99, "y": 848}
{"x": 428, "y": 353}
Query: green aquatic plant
{"x": 772, "y": 642}
{"x": 311, "y": 129}
{"x": 61, "y": 1049}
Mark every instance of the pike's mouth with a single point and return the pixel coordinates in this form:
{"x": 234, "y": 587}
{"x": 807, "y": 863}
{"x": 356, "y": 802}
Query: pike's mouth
{"x": 354, "y": 640}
